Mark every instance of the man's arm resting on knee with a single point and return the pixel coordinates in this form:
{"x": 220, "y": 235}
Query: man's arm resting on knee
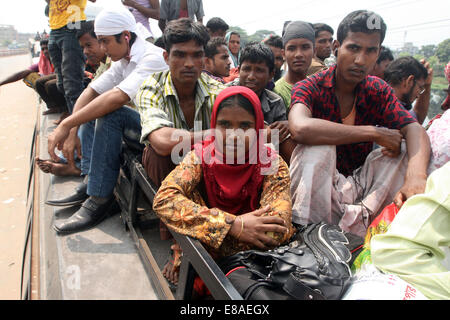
{"x": 97, "y": 107}
{"x": 310, "y": 131}
{"x": 418, "y": 147}
{"x": 164, "y": 140}
{"x": 89, "y": 106}
{"x": 83, "y": 100}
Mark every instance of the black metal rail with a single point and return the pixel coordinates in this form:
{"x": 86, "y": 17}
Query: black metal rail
{"x": 133, "y": 182}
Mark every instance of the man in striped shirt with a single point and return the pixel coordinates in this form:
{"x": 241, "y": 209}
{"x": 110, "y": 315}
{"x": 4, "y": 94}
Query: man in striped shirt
{"x": 174, "y": 105}
{"x": 176, "y": 102}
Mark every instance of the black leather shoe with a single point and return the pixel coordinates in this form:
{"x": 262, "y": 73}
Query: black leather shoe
{"x": 89, "y": 215}
{"x": 76, "y": 199}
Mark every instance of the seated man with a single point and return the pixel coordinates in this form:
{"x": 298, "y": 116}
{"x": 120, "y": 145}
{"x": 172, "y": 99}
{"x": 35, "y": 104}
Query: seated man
{"x": 175, "y": 105}
{"x": 411, "y": 81}
{"x": 256, "y": 69}
{"x": 323, "y": 34}
{"x": 217, "y": 27}
{"x": 384, "y": 59}
{"x": 336, "y": 116}
{"x": 275, "y": 43}
{"x": 178, "y": 100}
{"x": 97, "y": 57}
{"x": 217, "y": 59}
{"x": 104, "y": 100}
{"x": 298, "y": 51}
{"x": 41, "y": 77}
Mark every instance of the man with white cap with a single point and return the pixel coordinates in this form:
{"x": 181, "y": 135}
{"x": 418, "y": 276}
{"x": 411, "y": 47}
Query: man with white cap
{"x": 134, "y": 59}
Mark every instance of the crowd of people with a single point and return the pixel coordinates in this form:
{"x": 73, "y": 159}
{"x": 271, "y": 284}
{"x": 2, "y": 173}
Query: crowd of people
{"x": 296, "y": 129}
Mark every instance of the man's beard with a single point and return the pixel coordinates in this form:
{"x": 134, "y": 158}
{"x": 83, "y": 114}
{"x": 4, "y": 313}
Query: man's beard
{"x": 407, "y": 98}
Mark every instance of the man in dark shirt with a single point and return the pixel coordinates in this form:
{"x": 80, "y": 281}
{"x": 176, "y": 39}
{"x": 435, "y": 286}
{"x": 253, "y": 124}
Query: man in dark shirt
{"x": 174, "y": 9}
{"x": 217, "y": 27}
{"x": 336, "y": 116}
{"x": 384, "y": 59}
{"x": 275, "y": 43}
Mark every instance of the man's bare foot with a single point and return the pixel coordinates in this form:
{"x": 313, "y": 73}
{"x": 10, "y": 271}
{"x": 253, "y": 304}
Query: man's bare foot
{"x": 58, "y": 169}
{"x": 172, "y": 268}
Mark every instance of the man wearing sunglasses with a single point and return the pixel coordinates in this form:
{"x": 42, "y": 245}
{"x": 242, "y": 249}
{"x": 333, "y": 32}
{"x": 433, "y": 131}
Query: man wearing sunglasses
{"x": 411, "y": 81}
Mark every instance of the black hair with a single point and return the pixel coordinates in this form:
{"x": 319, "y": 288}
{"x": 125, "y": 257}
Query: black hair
{"x": 274, "y": 41}
{"x": 132, "y": 40}
{"x": 385, "y": 54}
{"x": 235, "y": 33}
{"x": 257, "y": 52}
{"x": 184, "y": 30}
{"x": 86, "y": 27}
{"x": 361, "y": 21}
{"x": 402, "y": 68}
{"x": 216, "y": 24}
{"x": 212, "y": 46}
{"x": 237, "y": 100}
{"x": 159, "y": 43}
{"x": 43, "y": 42}
{"x": 319, "y": 27}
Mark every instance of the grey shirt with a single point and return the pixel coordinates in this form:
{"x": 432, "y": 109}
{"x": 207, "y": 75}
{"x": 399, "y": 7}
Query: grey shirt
{"x": 170, "y": 9}
{"x": 272, "y": 105}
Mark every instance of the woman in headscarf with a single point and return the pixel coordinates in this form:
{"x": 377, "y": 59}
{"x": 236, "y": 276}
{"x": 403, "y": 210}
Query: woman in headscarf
{"x": 233, "y": 41}
{"x": 231, "y": 192}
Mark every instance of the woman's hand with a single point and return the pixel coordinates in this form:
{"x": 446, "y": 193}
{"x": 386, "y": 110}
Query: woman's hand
{"x": 252, "y": 228}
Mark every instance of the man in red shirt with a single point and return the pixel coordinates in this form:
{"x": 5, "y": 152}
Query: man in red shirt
{"x": 336, "y": 117}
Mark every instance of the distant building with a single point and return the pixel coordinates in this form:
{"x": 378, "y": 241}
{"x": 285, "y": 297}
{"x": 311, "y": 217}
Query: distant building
{"x": 9, "y": 34}
{"x": 410, "y": 48}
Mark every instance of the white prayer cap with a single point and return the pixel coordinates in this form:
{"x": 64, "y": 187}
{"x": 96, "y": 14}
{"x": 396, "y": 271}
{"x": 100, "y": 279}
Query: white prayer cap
{"x": 114, "y": 21}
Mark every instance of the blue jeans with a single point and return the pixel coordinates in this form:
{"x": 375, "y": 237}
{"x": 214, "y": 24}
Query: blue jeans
{"x": 69, "y": 62}
{"x": 102, "y": 161}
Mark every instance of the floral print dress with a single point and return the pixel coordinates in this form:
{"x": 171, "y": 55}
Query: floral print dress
{"x": 181, "y": 207}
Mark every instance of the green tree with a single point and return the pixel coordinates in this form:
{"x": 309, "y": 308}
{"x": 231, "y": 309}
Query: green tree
{"x": 257, "y": 36}
{"x": 428, "y": 50}
{"x": 260, "y": 35}
{"x": 443, "y": 51}
{"x": 242, "y": 33}
{"x": 403, "y": 54}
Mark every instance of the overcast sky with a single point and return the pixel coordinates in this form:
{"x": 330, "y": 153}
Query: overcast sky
{"x": 425, "y": 22}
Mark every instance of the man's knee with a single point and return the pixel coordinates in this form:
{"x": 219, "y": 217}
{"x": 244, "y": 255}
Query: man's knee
{"x": 309, "y": 153}
{"x": 156, "y": 166}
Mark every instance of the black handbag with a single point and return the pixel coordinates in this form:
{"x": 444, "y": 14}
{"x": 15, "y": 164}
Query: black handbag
{"x": 312, "y": 266}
